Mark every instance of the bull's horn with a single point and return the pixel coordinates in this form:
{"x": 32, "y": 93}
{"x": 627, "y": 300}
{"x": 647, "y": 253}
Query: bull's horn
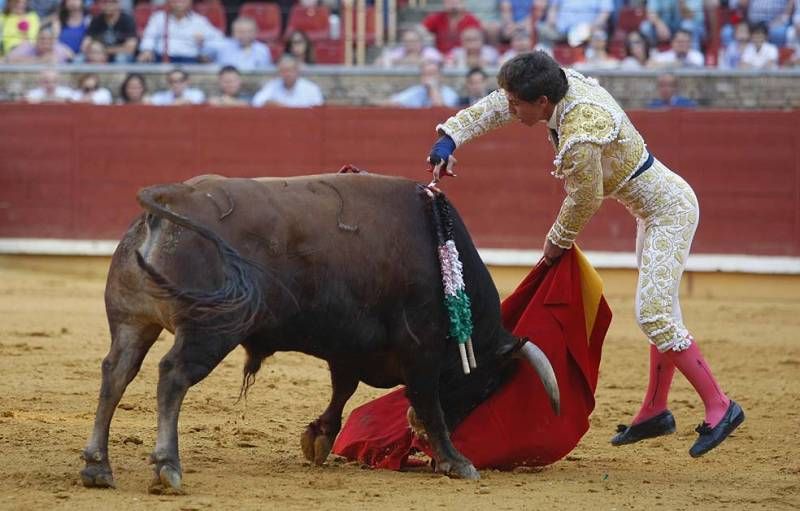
{"x": 539, "y": 361}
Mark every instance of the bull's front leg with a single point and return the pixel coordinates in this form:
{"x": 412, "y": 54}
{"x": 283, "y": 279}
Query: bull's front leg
{"x": 422, "y": 390}
{"x": 317, "y": 439}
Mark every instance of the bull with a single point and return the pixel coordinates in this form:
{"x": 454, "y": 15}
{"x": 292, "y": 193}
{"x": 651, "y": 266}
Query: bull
{"x": 342, "y": 267}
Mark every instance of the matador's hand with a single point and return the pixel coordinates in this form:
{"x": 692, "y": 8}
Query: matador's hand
{"x": 551, "y": 252}
{"x": 441, "y": 157}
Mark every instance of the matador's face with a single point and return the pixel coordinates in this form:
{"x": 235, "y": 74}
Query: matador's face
{"x": 529, "y": 112}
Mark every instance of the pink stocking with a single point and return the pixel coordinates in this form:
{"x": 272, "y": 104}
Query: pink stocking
{"x": 691, "y": 363}
{"x": 655, "y": 401}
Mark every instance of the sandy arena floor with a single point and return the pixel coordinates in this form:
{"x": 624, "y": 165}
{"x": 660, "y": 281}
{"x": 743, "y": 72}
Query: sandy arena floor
{"x": 53, "y": 336}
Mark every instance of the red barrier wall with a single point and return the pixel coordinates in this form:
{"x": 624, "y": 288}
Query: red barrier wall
{"x": 72, "y": 171}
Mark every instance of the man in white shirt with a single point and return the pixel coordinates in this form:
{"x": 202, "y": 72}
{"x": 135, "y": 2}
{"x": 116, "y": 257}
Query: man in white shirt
{"x": 681, "y": 54}
{"x": 179, "y": 92}
{"x": 242, "y": 51}
{"x": 183, "y": 35}
{"x": 49, "y": 91}
{"x": 289, "y": 90}
{"x": 759, "y": 54}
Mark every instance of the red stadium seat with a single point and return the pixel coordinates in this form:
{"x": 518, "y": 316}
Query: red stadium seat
{"x": 214, "y": 11}
{"x": 329, "y": 51}
{"x": 785, "y": 54}
{"x": 630, "y": 18}
{"x": 141, "y": 13}
{"x": 314, "y": 22}
{"x": 275, "y": 50}
{"x": 267, "y": 18}
{"x": 370, "y": 24}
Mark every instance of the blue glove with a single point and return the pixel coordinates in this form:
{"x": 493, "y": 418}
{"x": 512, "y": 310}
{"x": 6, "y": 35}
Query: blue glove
{"x": 441, "y": 150}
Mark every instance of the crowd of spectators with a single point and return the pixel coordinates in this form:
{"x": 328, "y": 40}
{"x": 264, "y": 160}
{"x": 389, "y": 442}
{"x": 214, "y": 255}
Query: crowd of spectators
{"x": 464, "y": 35}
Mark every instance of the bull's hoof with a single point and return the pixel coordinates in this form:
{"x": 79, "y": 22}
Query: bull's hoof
{"x": 458, "y": 470}
{"x": 316, "y": 446}
{"x": 97, "y": 475}
{"x": 167, "y": 482}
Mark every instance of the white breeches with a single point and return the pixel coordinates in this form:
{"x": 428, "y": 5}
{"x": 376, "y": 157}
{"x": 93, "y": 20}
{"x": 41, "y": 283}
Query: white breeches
{"x": 667, "y": 215}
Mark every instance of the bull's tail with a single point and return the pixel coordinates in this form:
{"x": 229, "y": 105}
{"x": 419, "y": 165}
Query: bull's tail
{"x": 237, "y": 306}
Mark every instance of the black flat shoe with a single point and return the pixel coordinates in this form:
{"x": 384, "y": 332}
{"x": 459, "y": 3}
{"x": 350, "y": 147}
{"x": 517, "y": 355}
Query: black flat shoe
{"x": 712, "y": 437}
{"x": 661, "y": 424}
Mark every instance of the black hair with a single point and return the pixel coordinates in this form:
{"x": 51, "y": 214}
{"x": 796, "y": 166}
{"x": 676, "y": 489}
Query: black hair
{"x": 308, "y": 57}
{"x": 228, "y": 69}
{"x": 123, "y": 93}
{"x": 645, "y": 42}
{"x": 63, "y": 13}
{"x": 759, "y": 27}
{"x": 184, "y": 74}
{"x": 477, "y": 70}
{"x": 531, "y": 75}
{"x": 682, "y": 31}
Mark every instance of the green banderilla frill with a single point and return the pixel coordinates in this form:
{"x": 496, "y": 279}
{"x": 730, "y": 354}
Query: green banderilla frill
{"x": 458, "y": 308}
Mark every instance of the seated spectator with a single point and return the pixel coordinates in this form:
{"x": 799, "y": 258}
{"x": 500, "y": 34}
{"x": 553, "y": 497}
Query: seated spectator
{"x": 71, "y": 24}
{"x": 476, "y": 86}
{"x": 133, "y": 90}
{"x": 775, "y": 14}
{"x": 793, "y": 36}
{"x": 668, "y": 96}
{"x": 566, "y": 15}
{"x": 289, "y": 89}
{"x": 49, "y": 90}
{"x": 446, "y": 25}
{"x": 89, "y": 91}
{"x": 95, "y": 53}
{"x": 637, "y": 52}
{"x": 429, "y": 92}
{"x": 597, "y": 56}
{"x": 17, "y": 25}
{"x": 179, "y": 92}
{"x": 759, "y": 54}
{"x": 190, "y": 36}
{"x": 412, "y": 51}
{"x": 242, "y": 51}
{"x": 666, "y": 17}
{"x": 46, "y": 50}
{"x": 730, "y": 57}
{"x": 299, "y": 46}
{"x": 115, "y": 30}
{"x": 681, "y": 54}
{"x": 472, "y": 52}
{"x": 793, "y": 32}
{"x": 230, "y": 88}
{"x": 520, "y": 43}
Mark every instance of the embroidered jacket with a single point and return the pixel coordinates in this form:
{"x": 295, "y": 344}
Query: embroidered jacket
{"x": 597, "y": 147}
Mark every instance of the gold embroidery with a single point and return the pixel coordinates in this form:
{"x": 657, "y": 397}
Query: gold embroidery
{"x": 668, "y": 214}
{"x": 584, "y": 185}
{"x": 487, "y": 114}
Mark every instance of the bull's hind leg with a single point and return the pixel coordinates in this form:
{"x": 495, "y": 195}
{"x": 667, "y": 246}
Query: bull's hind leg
{"x": 193, "y": 356}
{"x": 129, "y": 345}
{"x": 422, "y": 389}
{"x": 317, "y": 440}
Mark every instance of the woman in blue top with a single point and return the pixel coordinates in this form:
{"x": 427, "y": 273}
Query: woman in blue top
{"x": 73, "y": 23}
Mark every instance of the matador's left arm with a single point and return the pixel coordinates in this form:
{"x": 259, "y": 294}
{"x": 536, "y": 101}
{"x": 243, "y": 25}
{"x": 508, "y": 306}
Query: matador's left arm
{"x": 487, "y": 114}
